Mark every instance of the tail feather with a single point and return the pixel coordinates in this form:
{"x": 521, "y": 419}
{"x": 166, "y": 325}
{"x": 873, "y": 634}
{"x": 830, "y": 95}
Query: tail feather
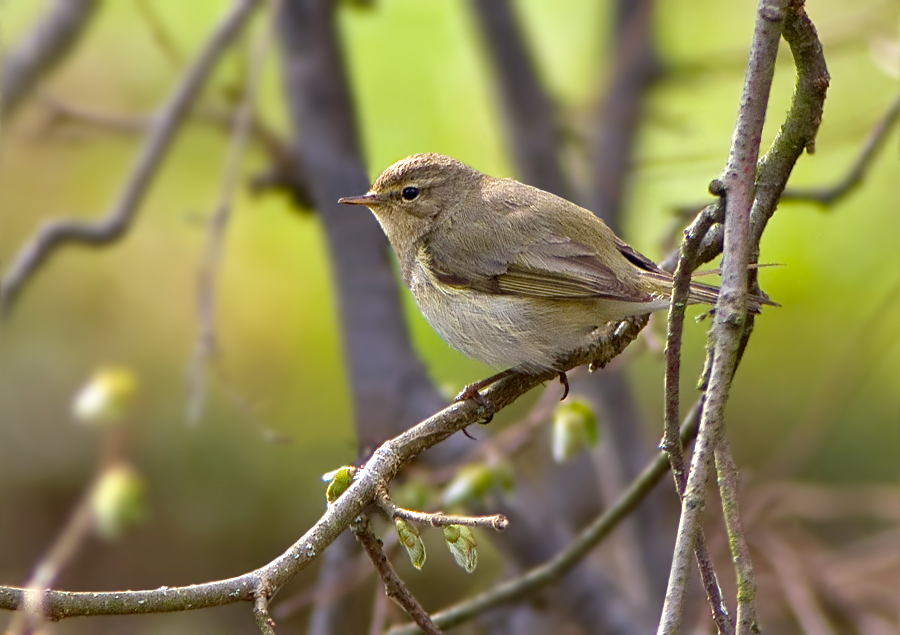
{"x": 707, "y": 294}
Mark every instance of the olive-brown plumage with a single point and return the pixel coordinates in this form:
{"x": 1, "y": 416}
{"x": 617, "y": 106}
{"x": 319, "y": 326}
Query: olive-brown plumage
{"x": 509, "y": 274}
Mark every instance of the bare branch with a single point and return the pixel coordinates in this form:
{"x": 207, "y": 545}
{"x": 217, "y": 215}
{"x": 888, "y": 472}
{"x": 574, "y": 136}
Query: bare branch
{"x": 574, "y": 553}
{"x": 498, "y": 522}
{"x": 261, "y": 612}
{"x": 394, "y": 587}
{"x": 532, "y": 127}
{"x": 635, "y": 67}
{"x": 688, "y": 261}
{"x": 207, "y": 342}
{"x": 730, "y": 323}
{"x": 740, "y": 552}
{"x": 828, "y": 196}
{"x": 48, "y": 43}
{"x": 383, "y": 466}
{"x": 113, "y": 226}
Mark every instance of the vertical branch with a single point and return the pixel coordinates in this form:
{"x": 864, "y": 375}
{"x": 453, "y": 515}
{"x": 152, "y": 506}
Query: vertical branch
{"x": 635, "y": 67}
{"x": 687, "y": 262}
{"x": 729, "y": 326}
{"x": 390, "y": 388}
{"x": 740, "y": 551}
{"x": 207, "y": 341}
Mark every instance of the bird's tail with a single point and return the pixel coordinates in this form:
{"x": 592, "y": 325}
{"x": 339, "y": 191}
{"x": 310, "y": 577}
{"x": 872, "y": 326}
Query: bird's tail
{"x": 707, "y": 294}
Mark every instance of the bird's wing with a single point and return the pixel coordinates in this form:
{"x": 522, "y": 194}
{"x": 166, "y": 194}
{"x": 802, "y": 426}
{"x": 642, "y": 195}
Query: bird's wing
{"x": 526, "y": 252}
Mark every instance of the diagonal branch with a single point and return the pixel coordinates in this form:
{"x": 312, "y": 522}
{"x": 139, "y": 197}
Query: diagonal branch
{"x": 828, "y": 196}
{"x": 384, "y": 465}
{"x": 52, "y": 38}
{"x": 394, "y": 587}
{"x": 115, "y": 224}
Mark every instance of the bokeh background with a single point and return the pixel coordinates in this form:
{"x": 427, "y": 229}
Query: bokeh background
{"x": 815, "y": 404}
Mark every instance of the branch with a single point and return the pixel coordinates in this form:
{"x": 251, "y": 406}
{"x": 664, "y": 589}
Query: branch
{"x": 394, "y": 587}
{"x": 688, "y": 261}
{"x": 390, "y": 387}
{"x": 636, "y": 66}
{"x": 740, "y": 552}
{"x": 530, "y": 117}
{"x": 828, "y": 196}
{"x": 261, "y": 612}
{"x": 48, "y": 43}
{"x": 498, "y": 522}
{"x": 730, "y": 322}
{"x": 384, "y": 465}
{"x": 574, "y": 553}
{"x": 113, "y": 226}
{"x": 207, "y": 341}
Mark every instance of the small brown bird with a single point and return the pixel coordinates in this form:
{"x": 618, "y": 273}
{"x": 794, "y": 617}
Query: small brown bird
{"x": 508, "y": 274}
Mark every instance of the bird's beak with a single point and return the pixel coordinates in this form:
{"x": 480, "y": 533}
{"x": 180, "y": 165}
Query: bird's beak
{"x": 365, "y": 199}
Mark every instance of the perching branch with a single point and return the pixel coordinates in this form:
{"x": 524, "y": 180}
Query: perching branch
{"x": 115, "y": 224}
{"x": 385, "y": 463}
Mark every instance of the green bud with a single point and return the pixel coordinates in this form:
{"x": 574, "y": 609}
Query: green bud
{"x": 574, "y": 428}
{"x": 409, "y": 538}
{"x": 107, "y": 398}
{"x": 461, "y": 542}
{"x": 339, "y": 481}
{"x": 118, "y": 501}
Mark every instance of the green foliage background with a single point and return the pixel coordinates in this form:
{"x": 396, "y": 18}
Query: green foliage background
{"x": 223, "y": 499}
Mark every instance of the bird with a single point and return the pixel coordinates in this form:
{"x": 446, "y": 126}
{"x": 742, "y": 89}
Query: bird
{"x": 509, "y": 274}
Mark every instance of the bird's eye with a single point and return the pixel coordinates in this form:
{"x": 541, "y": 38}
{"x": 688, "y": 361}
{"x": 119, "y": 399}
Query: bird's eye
{"x": 409, "y": 193}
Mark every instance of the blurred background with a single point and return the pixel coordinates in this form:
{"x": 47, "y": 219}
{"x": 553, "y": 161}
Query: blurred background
{"x": 814, "y": 417}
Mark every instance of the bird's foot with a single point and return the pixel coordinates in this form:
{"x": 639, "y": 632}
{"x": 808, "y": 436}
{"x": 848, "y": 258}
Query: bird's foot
{"x": 472, "y": 392}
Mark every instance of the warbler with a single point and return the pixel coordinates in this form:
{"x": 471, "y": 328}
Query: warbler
{"x": 506, "y": 273}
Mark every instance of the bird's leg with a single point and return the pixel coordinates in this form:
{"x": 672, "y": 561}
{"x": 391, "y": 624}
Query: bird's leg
{"x": 565, "y": 383}
{"x": 471, "y": 391}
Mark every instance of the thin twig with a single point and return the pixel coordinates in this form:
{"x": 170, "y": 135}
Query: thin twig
{"x": 207, "y": 344}
{"x": 261, "y": 612}
{"x": 740, "y": 552}
{"x": 828, "y": 196}
{"x": 394, "y": 587}
{"x": 728, "y": 328}
{"x": 498, "y": 522}
{"x": 161, "y": 35}
{"x": 687, "y": 262}
{"x": 115, "y": 224}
